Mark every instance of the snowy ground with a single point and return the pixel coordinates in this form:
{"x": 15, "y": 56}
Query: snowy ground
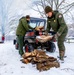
{"x": 10, "y": 63}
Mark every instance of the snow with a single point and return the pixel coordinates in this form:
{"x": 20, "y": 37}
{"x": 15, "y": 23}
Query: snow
{"x": 10, "y": 63}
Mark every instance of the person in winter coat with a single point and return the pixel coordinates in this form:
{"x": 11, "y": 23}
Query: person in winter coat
{"x": 56, "y": 21}
{"x": 22, "y": 28}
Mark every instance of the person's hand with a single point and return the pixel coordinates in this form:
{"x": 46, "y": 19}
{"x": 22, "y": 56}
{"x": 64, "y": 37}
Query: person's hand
{"x": 56, "y": 35}
{"x": 45, "y": 33}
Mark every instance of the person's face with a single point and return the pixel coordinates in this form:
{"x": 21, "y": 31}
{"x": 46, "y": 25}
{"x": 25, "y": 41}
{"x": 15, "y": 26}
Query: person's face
{"x": 49, "y": 14}
{"x": 28, "y": 19}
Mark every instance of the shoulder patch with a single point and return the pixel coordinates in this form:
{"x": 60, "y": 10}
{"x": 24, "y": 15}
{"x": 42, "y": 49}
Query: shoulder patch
{"x": 60, "y": 16}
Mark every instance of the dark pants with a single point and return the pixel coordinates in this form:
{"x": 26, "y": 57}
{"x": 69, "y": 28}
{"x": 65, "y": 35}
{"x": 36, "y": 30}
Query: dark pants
{"x": 20, "y": 41}
{"x": 60, "y": 41}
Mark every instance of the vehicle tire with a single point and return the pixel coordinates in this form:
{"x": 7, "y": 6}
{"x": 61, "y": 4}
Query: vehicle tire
{"x": 29, "y": 47}
{"x": 51, "y": 47}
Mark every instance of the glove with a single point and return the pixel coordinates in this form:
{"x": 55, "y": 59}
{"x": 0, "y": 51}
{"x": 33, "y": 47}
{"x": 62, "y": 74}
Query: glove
{"x": 56, "y": 35}
{"x": 45, "y": 33}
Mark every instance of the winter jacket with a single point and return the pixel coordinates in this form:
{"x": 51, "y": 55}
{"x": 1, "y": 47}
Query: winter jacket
{"x": 23, "y": 27}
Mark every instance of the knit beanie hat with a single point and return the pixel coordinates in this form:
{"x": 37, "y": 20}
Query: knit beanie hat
{"x": 48, "y": 9}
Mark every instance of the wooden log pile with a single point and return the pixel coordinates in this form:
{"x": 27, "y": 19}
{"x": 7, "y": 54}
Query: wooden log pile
{"x": 42, "y": 61}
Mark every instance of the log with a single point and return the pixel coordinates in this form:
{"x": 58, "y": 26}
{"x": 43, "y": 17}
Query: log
{"x": 26, "y": 54}
{"x": 47, "y": 65}
{"x": 44, "y": 38}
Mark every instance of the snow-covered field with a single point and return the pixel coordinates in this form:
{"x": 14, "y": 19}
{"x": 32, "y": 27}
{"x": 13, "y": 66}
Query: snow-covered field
{"x": 10, "y": 63}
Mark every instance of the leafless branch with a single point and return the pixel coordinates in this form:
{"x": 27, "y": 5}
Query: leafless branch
{"x": 67, "y": 10}
{"x": 72, "y": 4}
{"x": 40, "y": 5}
{"x": 61, "y": 3}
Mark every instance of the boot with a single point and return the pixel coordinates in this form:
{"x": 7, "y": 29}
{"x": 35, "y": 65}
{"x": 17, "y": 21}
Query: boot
{"x": 61, "y": 54}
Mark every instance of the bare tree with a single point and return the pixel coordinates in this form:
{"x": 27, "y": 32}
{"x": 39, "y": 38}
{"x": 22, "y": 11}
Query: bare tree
{"x": 10, "y": 14}
{"x": 59, "y": 5}
{"x": 5, "y": 7}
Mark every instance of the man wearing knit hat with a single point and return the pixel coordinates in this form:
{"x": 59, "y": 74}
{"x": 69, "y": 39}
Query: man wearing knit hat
{"x": 56, "y": 21}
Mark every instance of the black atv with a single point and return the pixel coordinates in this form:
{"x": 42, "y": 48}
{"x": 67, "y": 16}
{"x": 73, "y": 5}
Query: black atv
{"x": 30, "y": 42}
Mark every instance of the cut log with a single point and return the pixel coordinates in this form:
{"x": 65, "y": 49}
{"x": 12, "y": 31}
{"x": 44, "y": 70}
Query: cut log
{"x": 26, "y": 54}
{"x": 47, "y": 65}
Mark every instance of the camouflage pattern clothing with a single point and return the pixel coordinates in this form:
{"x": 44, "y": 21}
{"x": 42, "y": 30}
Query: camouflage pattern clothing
{"x": 58, "y": 25}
